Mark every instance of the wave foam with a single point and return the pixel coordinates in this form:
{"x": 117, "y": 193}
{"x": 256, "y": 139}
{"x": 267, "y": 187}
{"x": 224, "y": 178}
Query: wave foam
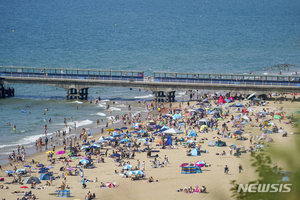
{"x": 144, "y": 97}
{"x": 100, "y": 114}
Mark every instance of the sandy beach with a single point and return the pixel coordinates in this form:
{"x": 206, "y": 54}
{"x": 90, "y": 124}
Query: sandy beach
{"x": 168, "y": 179}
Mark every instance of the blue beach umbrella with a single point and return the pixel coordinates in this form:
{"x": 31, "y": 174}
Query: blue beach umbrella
{"x": 9, "y": 172}
{"x": 26, "y": 166}
{"x": 138, "y": 172}
{"x": 124, "y": 128}
{"x": 127, "y": 167}
{"x": 84, "y": 147}
{"x": 84, "y": 161}
{"x": 130, "y": 173}
{"x": 41, "y": 165}
{"x": 115, "y": 155}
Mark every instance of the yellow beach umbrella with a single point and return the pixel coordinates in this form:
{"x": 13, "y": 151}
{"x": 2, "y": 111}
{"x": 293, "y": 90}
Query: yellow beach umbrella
{"x": 110, "y": 129}
{"x": 48, "y": 152}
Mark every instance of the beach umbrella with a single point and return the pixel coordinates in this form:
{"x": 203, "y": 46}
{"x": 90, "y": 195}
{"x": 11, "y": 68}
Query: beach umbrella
{"x": 190, "y": 141}
{"x": 281, "y": 131}
{"x": 177, "y": 110}
{"x": 128, "y": 144}
{"x": 73, "y": 158}
{"x": 232, "y": 145}
{"x": 115, "y": 155}
{"x": 70, "y": 168}
{"x": 95, "y": 146}
{"x": 110, "y": 129}
{"x": 110, "y": 185}
{"x": 60, "y": 152}
{"x": 26, "y": 166}
{"x": 127, "y": 167}
{"x": 124, "y": 128}
{"x": 117, "y": 130}
{"x": 9, "y": 172}
{"x": 84, "y": 147}
{"x": 23, "y": 187}
{"x": 130, "y": 173}
{"x": 124, "y": 140}
{"x": 158, "y": 127}
{"x": 40, "y": 165}
{"x": 260, "y": 145}
{"x": 239, "y": 147}
{"x": 84, "y": 161}
{"x": 238, "y": 132}
{"x": 200, "y": 163}
{"x": 216, "y": 138}
{"x": 21, "y": 170}
{"x": 184, "y": 164}
{"x": 198, "y": 145}
{"x": 142, "y": 140}
{"x": 138, "y": 172}
{"x": 50, "y": 167}
{"x": 110, "y": 137}
{"x": 70, "y": 148}
{"x": 159, "y": 141}
{"x": 249, "y": 110}
{"x": 188, "y": 114}
{"x": 48, "y": 152}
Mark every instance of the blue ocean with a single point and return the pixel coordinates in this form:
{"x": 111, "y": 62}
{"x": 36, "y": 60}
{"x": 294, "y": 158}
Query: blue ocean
{"x": 213, "y": 36}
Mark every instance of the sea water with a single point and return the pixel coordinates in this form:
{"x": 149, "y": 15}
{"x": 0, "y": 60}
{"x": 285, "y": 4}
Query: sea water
{"x": 218, "y": 36}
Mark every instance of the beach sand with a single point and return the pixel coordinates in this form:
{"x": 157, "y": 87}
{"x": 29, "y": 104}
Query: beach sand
{"x": 169, "y": 178}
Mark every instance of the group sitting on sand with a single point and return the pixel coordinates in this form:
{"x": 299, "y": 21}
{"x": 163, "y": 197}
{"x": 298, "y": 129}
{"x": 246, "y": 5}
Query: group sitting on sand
{"x": 193, "y": 190}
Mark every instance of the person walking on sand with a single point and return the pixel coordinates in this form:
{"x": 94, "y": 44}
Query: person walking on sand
{"x": 143, "y": 165}
{"x": 240, "y": 168}
{"x": 226, "y": 169}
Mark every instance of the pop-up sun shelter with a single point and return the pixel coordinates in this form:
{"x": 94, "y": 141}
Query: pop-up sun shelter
{"x": 192, "y": 134}
{"x": 195, "y": 152}
{"x": 30, "y": 180}
{"x": 46, "y": 176}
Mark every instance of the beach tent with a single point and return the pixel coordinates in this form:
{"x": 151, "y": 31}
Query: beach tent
{"x": 231, "y": 98}
{"x": 192, "y": 134}
{"x": 203, "y": 127}
{"x": 63, "y": 193}
{"x": 268, "y": 139}
{"x": 221, "y": 100}
{"x": 31, "y": 179}
{"x": 172, "y": 131}
{"x": 204, "y": 122}
{"x": 220, "y": 143}
{"x": 211, "y": 143}
{"x": 269, "y": 132}
{"x": 195, "y": 152}
{"x": 169, "y": 140}
{"x": 46, "y": 176}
